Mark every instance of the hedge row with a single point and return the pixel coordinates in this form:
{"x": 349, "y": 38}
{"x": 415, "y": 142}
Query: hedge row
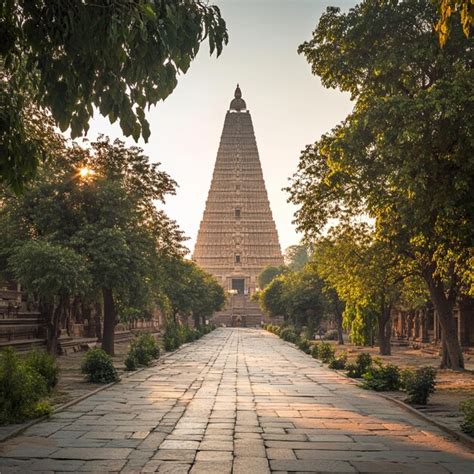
{"x": 419, "y": 384}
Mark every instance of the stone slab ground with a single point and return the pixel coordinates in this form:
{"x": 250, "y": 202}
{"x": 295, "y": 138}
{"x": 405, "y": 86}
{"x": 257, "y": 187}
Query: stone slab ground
{"x": 241, "y": 401}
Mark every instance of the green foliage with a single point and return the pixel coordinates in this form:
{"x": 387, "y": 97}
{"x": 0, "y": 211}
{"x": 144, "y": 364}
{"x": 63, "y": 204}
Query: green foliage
{"x": 98, "y": 367}
{"x": 382, "y": 378}
{"x": 189, "y": 334}
{"x": 44, "y": 365}
{"x": 448, "y": 8}
{"x": 331, "y": 335}
{"x": 143, "y": 350}
{"x": 467, "y": 409}
{"x": 288, "y": 334}
{"x": 326, "y": 352}
{"x": 339, "y": 362}
{"x": 73, "y": 58}
{"x": 404, "y": 156}
{"x": 315, "y": 350}
{"x": 272, "y": 297}
{"x": 304, "y": 345}
{"x": 362, "y": 364}
{"x": 419, "y": 384}
{"x": 297, "y": 256}
{"x": 171, "y": 336}
{"x": 269, "y": 273}
{"x": 22, "y": 389}
{"x": 93, "y": 236}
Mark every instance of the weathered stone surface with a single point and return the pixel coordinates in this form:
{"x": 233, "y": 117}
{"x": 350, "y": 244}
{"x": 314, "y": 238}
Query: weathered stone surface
{"x": 349, "y": 429}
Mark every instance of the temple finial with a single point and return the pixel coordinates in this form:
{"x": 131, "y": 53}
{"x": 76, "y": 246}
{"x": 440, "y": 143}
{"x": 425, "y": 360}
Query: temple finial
{"x": 238, "y": 92}
{"x": 238, "y": 103}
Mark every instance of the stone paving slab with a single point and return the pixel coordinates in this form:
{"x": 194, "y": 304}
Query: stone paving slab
{"x": 238, "y": 401}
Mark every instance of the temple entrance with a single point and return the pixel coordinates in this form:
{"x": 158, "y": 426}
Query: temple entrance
{"x": 239, "y": 285}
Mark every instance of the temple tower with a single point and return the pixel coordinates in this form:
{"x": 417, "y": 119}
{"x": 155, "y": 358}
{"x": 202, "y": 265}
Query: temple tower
{"x": 237, "y": 237}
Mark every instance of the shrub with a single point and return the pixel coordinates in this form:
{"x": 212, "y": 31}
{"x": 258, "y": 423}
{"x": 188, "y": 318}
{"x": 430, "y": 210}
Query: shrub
{"x": 143, "y": 349}
{"x": 289, "y": 335}
{"x": 362, "y": 364}
{"x": 331, "y": 335}
{"x": 45, "y": 365}
{"x": 419, "y": 384}
{"x": 22, "y": 389}
{"x": 326, "y": 352}
{"x": 382, "y": 378}
{"x": 315, "y": 350}
{"x": 130, "y": 362}
{"x": 304, "y": 345}
{"x": 339, "y": 363}
{"x": 98, "y": 367}
{"x": 171, "y": 336}
{"x": 467, "y": 409}
{"x": 276, "y": 330}
{"x": 187, "y": 334}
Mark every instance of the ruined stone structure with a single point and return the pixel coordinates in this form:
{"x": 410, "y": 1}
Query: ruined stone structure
{"x": 237, "y": 237}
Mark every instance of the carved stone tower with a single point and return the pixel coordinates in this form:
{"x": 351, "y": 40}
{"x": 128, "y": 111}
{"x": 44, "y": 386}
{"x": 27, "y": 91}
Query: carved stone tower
{"x": 237, "y": 237}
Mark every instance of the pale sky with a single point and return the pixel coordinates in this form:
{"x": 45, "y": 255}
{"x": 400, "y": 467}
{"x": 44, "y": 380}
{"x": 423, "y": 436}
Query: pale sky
{"x": 289, "y": 106}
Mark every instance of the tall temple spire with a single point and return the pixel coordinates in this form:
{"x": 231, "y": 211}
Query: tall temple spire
{"x": 237, "y": 237}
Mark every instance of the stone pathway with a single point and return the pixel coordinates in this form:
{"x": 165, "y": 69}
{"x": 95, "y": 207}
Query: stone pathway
{"x": 240, "y": 401}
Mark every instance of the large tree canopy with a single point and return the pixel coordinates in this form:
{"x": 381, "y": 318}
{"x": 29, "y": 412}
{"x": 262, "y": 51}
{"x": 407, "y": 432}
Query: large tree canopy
{"x": 405, "y": 155}
{"x": 69, "y": 57}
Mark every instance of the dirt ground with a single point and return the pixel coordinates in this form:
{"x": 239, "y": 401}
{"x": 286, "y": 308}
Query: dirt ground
{"x": 72, "y": 383}
{"x": 451, "y": 388}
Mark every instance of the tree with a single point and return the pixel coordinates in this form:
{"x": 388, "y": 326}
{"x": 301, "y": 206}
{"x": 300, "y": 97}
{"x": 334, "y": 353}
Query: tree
{"x": 297, "y": 296}
{"x": 297, "y": 256}
{"x": 54, "y": 273}
{"x": 334, "y": 309}
{"x": 269, "y": 273}
{"x": 446, "y": 9}
{"x": 305, "y": 305}
{"x": 366, "y": 275}
{"x": 272, "y": 298}
{"x": 404, "y": 156}
{"x": 70, "y": 58}
{"x": 208, "y": 296}
{"x": 111, "y": 221}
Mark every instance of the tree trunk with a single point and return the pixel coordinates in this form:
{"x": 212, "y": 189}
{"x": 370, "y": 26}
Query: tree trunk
{"x": 98, "y": 321}
{"x": 108, "y": 337}
{"x": 340, "y": 334}
{"x": 197, "y": 320}
{"x": 54, "y": 325}
{"x": 452, "y": 357}
{"x": 385, "y": 346}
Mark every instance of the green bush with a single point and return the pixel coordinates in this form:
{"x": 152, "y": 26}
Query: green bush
{"x": 304, "y": 345}
{"x": 22, "y": 389}
{"x": 289, "y": 335}
{"x": 362, "y": 364}
{"x": 315, "y": 350}
{"x": 143, "y": 349}
{"x": 98, "y": 367}
{"x": 467, "y": 409}
{"x": 331, "y": 335}
{"x": 326, "y": 352}
{"x": 171, "y": 336}
{"x": 45, "y": 365}
{"x": 382, "y": 378}
{"x": 130, "y": 362}
{"x": 276, "y": 330}
{"x": 419, "y": 384}
{"x": 339, "y": 363}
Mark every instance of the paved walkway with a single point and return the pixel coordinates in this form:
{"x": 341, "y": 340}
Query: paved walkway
{"x": 237, "y": 401}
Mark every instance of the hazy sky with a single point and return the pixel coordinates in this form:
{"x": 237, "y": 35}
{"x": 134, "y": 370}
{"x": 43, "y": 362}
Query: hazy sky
{"x": 289, "y": 107}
